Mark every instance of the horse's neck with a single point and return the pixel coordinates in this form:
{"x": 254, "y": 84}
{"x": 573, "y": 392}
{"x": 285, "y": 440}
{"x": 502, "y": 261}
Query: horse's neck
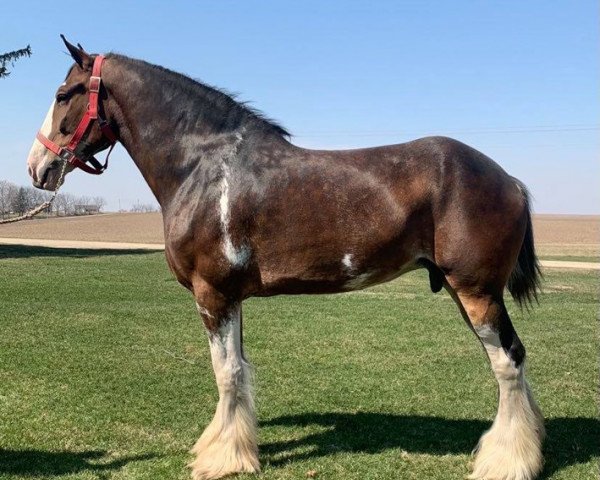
{"x": 167, "y": 144}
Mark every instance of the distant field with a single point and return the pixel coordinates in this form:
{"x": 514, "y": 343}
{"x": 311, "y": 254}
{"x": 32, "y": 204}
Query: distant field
{"x": 108, "y": 227}
{"x": 568, "y": 237}
{"x": 558, "y": 237}
{"x": 105, "y": 374}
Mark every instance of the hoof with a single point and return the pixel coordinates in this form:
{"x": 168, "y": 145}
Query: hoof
{"x": 221, "y": 461}
{"x": 220, "y": 455}
{"x": 509, "y": 455}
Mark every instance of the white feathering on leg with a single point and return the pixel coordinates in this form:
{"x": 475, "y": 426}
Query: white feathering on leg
{"x": 512, "y": 448}
{"x": 229, "y": 443}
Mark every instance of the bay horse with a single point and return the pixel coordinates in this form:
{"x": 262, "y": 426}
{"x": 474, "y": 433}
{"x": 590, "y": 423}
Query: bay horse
{"x": 247, "y": 213}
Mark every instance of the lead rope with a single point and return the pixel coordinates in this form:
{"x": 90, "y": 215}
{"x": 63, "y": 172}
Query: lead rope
{"x": 40, "y": 208}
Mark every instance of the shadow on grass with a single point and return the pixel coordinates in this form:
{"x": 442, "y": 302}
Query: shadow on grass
{"x": 25, "y": 251}
{"x": 570, "y": 441}
{"x": 38, "y": 463}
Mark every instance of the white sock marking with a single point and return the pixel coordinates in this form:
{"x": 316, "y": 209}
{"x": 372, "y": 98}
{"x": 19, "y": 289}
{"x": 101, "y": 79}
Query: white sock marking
{"x": 511, "y": 448}
{"x": 229, "y": 444}
{"x": 226, "y": 353}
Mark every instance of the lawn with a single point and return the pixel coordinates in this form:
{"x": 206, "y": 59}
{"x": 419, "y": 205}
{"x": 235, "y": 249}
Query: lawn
{"x": 105, "y": 374}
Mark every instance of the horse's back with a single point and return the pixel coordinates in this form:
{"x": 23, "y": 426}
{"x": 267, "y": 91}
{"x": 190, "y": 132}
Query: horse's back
{"x": 350, "y": 218}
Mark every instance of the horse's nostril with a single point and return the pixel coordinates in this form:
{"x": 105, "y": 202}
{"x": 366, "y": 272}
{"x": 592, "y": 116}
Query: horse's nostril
{"x": 31, "y": 172}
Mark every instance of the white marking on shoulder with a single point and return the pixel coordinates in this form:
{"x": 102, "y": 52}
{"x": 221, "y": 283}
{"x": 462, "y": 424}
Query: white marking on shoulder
{"x": 238, "y": 257}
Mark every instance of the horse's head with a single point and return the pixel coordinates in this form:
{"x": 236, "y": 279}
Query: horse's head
{"x": 58, "y": 132}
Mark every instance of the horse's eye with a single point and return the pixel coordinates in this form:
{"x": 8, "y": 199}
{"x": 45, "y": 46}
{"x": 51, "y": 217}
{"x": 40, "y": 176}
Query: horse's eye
{"x": 61, "y": 97}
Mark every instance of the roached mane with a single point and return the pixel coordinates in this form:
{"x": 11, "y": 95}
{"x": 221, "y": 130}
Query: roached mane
{"x": 234, "y": 113}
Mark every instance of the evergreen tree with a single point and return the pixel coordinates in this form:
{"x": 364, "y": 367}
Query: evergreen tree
{"x": 9, "y": 58}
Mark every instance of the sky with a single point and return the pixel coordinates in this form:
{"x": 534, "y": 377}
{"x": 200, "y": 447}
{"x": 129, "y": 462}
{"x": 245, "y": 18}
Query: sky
{"x": 516, "y": 80}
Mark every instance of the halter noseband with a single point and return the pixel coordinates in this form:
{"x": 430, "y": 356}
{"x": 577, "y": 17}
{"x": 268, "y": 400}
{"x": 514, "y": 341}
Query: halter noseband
{"x": 68, "y": 153}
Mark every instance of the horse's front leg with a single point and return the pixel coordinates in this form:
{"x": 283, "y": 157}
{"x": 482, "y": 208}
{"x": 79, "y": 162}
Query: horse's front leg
{"x": 228, "y": 445}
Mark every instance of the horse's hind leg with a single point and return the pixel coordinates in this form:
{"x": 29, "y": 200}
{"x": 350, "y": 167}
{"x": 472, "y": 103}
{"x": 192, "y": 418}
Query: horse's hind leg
{"x": 229, "y": 444}
{"x": 511, "y": 448}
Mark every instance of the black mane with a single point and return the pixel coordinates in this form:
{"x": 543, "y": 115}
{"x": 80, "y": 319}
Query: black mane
{"x": 232, "y": 113}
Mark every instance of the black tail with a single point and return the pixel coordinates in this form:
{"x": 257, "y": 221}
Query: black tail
{"x": 525, "y": 279}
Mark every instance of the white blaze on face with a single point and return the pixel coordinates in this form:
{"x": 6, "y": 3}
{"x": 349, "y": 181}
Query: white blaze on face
{"x": 39, "y": 156}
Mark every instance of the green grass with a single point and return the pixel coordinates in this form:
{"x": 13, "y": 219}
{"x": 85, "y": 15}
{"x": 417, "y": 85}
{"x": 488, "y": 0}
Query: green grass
{"x": 105, "y": 374}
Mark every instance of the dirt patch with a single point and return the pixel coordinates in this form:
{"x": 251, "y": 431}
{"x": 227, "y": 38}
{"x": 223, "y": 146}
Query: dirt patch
{"x": 554, "y": 234}
{"x": 109, "y": 227}
{"x": 79, "y": 244}
{"x": 570, "y": 265}
{"x": 567, "y": 235}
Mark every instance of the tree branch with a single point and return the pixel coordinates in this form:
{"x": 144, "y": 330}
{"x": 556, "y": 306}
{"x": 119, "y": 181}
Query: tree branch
{"x": 10, "y": 58}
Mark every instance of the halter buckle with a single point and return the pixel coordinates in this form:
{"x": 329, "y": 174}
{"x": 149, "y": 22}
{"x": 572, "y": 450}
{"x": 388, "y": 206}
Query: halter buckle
{"x": 94, "y": 84}
{"x": 66, "y": 155}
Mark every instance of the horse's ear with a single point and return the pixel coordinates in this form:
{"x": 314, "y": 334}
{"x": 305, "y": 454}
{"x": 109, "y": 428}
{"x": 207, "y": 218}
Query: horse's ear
{"x": 81, "y": 57}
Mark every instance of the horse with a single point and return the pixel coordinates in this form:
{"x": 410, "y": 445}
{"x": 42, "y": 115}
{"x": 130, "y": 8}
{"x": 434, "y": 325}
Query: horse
{"x": 249, "y": 214}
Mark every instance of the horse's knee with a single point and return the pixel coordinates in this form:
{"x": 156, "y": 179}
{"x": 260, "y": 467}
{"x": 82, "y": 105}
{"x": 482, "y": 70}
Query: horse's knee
{"x": 214, "y": 308}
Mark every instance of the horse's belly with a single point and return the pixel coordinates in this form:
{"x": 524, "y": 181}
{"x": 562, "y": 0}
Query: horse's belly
{"x": 345, "y": 273}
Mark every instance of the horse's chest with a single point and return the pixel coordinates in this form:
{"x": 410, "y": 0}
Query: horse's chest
{"x": 206, "y": 239}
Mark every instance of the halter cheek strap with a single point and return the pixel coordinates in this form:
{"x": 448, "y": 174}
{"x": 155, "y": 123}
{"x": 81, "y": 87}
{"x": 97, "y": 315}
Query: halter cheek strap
{"x": 68, "y": 153}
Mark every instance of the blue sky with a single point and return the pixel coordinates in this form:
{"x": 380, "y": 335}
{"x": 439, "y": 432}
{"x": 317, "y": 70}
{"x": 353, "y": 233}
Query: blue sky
{"x": 516, "y": 80}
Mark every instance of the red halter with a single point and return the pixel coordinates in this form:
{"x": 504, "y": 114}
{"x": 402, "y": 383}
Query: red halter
{"x": 68, "y": 153}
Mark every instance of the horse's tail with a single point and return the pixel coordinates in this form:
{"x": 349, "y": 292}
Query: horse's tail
{"x": 525, "y": 279}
